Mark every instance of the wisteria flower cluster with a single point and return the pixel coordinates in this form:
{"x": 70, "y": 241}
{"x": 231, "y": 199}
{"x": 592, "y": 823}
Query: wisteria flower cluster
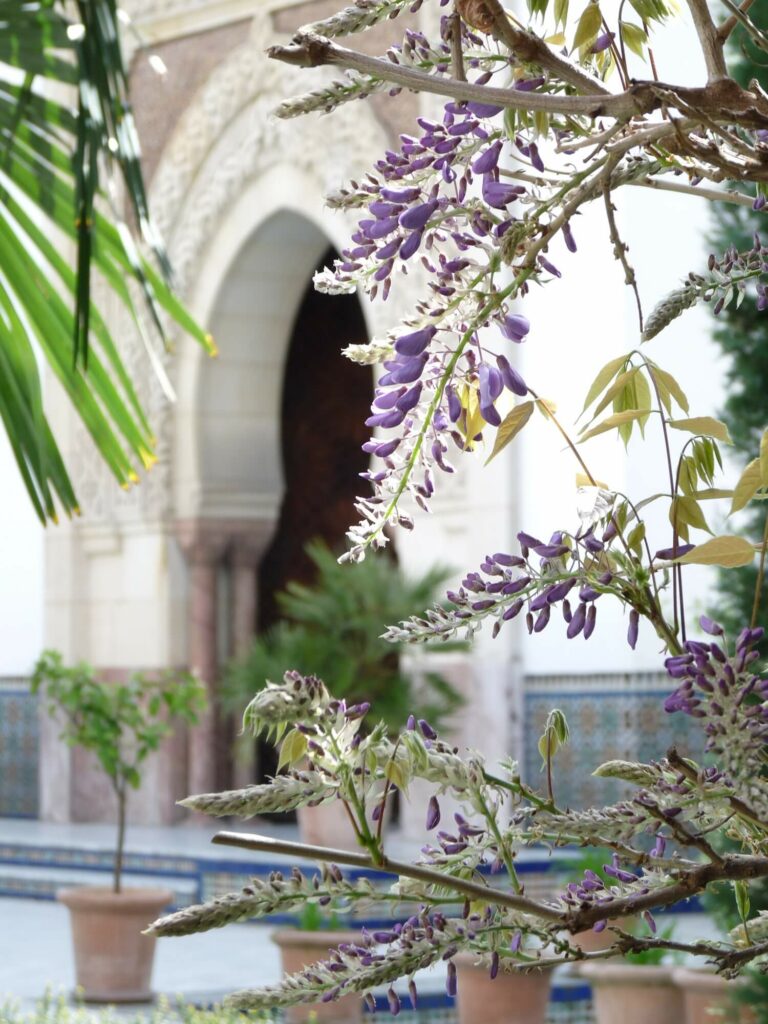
{"x": 537, "y": 121}
{"x": 463, "y": 893}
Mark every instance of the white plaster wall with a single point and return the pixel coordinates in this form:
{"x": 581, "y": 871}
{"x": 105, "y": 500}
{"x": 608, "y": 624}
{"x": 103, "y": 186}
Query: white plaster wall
{"x": 21, "y": 572}
{"x": 238, "y": 418}
{"x": 579, "y": 323}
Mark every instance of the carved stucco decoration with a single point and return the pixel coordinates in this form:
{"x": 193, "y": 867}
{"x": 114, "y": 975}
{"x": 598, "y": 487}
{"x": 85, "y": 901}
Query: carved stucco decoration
{"x": 225, "y": 139}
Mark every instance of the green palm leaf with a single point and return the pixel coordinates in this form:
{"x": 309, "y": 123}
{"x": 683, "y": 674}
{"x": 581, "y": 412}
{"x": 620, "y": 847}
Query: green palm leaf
{"x": 60, "y": 149}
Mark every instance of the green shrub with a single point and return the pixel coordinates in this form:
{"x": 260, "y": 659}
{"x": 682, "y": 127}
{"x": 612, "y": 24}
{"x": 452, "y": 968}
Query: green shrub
{"x": 333, "y": 629}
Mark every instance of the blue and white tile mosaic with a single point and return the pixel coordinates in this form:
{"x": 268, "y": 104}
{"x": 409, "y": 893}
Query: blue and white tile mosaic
{"x": 19, "y": 743}
{"x": 611, "y": 716}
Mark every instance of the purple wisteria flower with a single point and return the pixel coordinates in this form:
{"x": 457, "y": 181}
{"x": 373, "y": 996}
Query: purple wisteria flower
{"x": 724, "y": 692}
{"x": 545, "y": 577}
{"x": 440, "y": 199}
{"x": 515, "y": 327}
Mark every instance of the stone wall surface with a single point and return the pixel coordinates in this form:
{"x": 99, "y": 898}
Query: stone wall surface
{"x": 238, "y": 197}
{"x": 159, "y": 100}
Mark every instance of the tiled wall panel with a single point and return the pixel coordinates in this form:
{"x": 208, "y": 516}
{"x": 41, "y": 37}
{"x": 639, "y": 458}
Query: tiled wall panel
{"x": 19, "y": 742}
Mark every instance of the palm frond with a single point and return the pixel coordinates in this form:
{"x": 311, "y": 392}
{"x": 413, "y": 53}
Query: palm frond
{"x": 67, "y": 136}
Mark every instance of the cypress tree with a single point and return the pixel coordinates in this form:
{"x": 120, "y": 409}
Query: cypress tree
{"x": 742, "y": 334}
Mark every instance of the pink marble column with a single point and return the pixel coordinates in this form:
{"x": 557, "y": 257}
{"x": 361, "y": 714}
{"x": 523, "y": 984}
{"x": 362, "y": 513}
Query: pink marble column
{"x": 246, "y": 555}
{"x": 204, "y": 550}
{"x": 247, "y": 552}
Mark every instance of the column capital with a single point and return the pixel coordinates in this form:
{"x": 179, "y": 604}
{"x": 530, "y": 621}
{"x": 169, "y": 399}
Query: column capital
{"x": 249, "y": 544}
{"x": 203, "y": 542}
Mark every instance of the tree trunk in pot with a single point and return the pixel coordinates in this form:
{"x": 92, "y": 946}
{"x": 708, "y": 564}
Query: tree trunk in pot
{"x": 633, "y": 994}
{"x": 513, "y": 997}
{"x": 113, "y": 960}
{"x": 300, "y": 949}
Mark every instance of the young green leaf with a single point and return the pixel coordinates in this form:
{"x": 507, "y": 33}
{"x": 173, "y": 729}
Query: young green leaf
{"x": 749, "y": 484}
{"x": 764, "y": 459}
{"x": 588, "y": 27}
{"x": 636, "y": 538}
{"x": 604, "y": 377}
{"x": 686, "y": 511}
{"x": 615, "y": 390}
{"x": 556, "y": 734}
{"x": 634, "y": 37}
{"x": 707, "y": 426}
{"x": 710, "y": 493}
{"x": 741, "y": 894}
{"x": 510, "y": 426}
{"x": 293, "y": 748}
{"x": 613, "y": 422}
{"x": 668, "y": 387}
{"x": 728, "y": 551}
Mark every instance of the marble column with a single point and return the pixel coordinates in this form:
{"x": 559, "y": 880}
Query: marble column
{"x": 247, "y": 551}
{"x": 204, "y": 550}
{"x": 246, "y": 555}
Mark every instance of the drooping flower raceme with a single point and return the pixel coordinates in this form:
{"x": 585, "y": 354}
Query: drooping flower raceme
{"x": 484, "y": 199}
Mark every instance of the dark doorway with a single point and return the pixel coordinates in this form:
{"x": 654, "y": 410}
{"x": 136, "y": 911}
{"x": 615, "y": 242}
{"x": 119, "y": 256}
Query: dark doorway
{"x": 326, "y": 400}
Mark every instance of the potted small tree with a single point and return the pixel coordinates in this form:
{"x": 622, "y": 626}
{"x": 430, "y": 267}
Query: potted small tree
{"x": 121, "y": 724}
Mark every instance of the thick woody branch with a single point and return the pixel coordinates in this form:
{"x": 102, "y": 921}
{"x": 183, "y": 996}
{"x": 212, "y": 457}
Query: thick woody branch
{"x": 735, "y": 867}
{"x": 313, "y": 51}
{"x": 710, "y": 40}
{"x": 465, "y": 887}
{"x": 720, "y": 101}
{"x": 530, "y": 49}
{"x": 726, "y": 959}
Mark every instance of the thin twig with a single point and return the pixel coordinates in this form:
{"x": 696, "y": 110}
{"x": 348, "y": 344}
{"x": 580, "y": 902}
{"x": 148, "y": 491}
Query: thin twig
{"x": 457, "y": 53}
{"x": 734, "y": 867}
{"x": 717, "y": 195}
{"x": 620, "y": 250}
{"x": 684, "y": 837}
{"x": 759, "y": 37}
{"x": 474, "y": 890}
{"x": 731, "y": 22}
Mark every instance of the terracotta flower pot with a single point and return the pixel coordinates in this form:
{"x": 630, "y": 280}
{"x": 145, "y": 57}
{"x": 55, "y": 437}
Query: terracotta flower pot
{"x": 513, "y": 997}
{"x": 327, "y": 825}
{"x": 633, "y": 993}
{"x": 299, "y": 949}
{"x": 708, "y": 997}
{"x": 591, "y": 941}
{"x": 113, "y": 960}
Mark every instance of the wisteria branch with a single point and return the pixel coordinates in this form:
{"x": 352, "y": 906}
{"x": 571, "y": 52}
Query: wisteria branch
{"x": 465, "y": 887}
{"x": 732, "y": 868}
{"x": 709, "y": 38}
{"x": 311, "y": 51}
{"x": 730, "y": 23}
{"x": 531, "y": 49}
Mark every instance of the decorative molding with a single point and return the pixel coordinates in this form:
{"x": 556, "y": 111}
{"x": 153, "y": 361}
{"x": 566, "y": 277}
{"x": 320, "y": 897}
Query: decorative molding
{"x": 226, "y": 139}
{"x": 160, "y": 20}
